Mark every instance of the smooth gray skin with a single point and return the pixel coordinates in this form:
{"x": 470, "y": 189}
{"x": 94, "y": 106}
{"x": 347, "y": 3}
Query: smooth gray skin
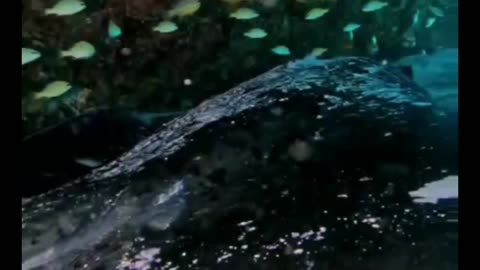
{"x": 438, "y": 73}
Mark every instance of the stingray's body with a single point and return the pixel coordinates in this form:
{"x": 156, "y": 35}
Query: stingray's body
{"x": 280, "y": 150}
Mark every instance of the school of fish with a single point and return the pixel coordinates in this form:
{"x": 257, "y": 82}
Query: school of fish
{"x": 182, "y": 9}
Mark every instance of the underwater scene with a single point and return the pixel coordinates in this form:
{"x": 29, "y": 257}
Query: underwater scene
{"x": 239, "y": 134}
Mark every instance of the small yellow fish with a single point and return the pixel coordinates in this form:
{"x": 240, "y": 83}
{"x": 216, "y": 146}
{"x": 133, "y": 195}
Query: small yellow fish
{"x": 437, "y": 11}
{"x": 281, "y": 50}
{"x": 113, "y": 30}
{"x": 66, "y": 7}
{"x": 416, "y": 17}
{"x": 165, "y": 27}
{"x": 350, "y": 28}
{"x": 316, "y": 13}
{"x": 373, "y": 46}
{"x": 244, "y": 14}
{"x": 374, "y": 6}
{"x": 317, "y": 52}
{"x": 430, "y": 22}
{"x": 29, "y": 55}
{"x": 255, "y": 33}
{"x": 184, "y": 8}
{"x": 53, "y": 89}
{"x": 80, "y": 50}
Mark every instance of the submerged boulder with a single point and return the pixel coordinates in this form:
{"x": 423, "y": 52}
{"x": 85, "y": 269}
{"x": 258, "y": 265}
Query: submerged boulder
{"x": 304, "y": 167}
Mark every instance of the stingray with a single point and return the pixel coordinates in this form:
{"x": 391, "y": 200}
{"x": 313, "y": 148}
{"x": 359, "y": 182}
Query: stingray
{"x": 266, "y": 174}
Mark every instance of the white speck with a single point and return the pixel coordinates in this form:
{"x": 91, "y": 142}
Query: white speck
{"x": 387, "y": 134}
{"x": 295, "y": 234}
{"x": 271, "y": 247}
{"x": 325, "y": 211}
{"x": 284, "y": 193}
{"x": 343, "y": 195}
{"x": 375, "y": 226}
{"x": 298, "y": 251}
{"x": 187, "y": 82}
{"x": 306, "y": 235}
{"x": 224, "y": 257}
{"x": 384, "y": 62}
{"x": 195, "y": 261}
{"x": 318, "y": 236}
{"x": 184, "y": 254}
{"x": 365, "y": 179}
{"x": 444, "y": 171}
{"x": 256, "y": 256}
{"x": 244, "y": 246}
{"x": 369, "y": 220}
{"x": 251, "y": 229}
{"x": 245, "y": 223}
{"x": 323, "y": 229}
{"x": 319, "y": 116}
{"x": 317, "y": 136}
